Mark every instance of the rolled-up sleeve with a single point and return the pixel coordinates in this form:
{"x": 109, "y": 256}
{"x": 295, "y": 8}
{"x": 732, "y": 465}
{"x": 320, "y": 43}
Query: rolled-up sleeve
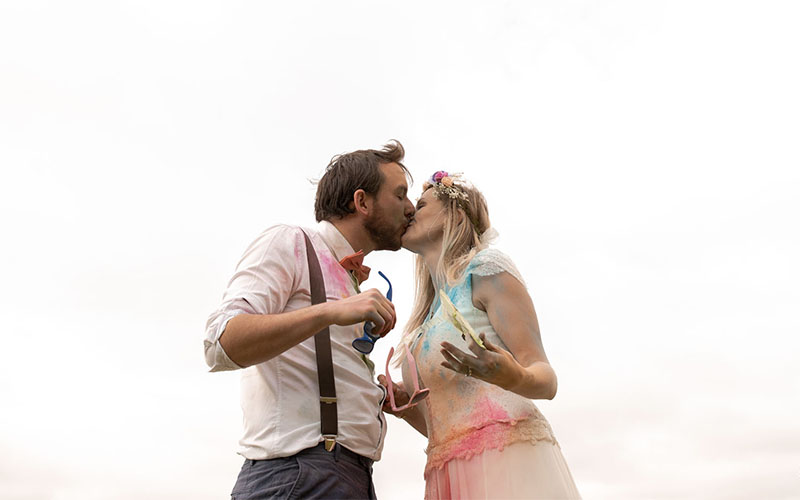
{"x": 264, "y": 280}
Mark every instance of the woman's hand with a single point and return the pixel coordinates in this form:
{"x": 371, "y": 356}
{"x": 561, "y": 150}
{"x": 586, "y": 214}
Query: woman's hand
{"x": 412, "y": 415}
{"x": 493, "y": 364}
{"x": 400, "y": 397}
{"x": 523, "y": 368}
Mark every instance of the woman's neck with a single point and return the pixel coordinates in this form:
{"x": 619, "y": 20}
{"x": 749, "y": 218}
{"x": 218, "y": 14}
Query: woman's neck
{"x": 430, "y": 256}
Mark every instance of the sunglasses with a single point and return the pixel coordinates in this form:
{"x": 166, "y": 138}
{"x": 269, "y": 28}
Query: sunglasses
{"x": 366, "y": 342}
{"x": 418, "y": 394}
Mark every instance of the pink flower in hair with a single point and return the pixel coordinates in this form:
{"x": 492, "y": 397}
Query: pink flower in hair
{"x": 438, "y": 176}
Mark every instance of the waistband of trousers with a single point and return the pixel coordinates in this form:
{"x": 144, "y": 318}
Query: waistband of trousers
{"x": 338, "y": 453}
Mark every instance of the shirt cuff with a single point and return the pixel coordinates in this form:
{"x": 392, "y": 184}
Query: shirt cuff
{"x": 216, "y": 357}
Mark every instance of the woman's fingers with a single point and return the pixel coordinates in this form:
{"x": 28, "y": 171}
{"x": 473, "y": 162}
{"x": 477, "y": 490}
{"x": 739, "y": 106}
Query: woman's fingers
{"x": 456, "y": 353}
{"x": 397, "y": 386}
{"x": 463, "y": 369}
{"x": 476, "y": 349}
{"x": 459, "y": 361}
{"x": 398, "y": 393}
{"x": 448, "y": 366}
{"x": 489, "y": 345}
{"x": 451, "y": 359}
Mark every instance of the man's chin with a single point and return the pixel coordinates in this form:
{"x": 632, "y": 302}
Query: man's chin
{"x": 391, "y": 245}
{"x": 397, "y": 243}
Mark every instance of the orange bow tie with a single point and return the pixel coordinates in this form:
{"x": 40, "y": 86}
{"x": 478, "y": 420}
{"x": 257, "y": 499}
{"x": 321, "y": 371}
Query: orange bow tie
{"x": 353, "y": 262}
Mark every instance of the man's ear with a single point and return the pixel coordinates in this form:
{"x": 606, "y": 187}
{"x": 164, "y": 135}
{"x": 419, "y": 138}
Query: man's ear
{"x": 362, "y": 202}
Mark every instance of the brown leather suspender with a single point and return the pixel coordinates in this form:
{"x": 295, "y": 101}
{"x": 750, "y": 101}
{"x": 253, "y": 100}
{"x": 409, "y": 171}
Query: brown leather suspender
{"x": 322, "y": 346}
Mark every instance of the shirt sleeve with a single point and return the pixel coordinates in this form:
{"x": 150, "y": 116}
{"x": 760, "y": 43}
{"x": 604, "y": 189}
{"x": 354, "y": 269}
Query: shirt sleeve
{"x": 265, "y": 279}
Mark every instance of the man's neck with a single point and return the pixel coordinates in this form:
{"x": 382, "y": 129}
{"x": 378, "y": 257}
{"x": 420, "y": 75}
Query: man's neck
{"x": 353, "y": 231}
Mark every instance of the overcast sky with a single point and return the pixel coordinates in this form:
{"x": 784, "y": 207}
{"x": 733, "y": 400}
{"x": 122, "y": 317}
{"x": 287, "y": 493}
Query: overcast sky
{"x": 640, "y": 160}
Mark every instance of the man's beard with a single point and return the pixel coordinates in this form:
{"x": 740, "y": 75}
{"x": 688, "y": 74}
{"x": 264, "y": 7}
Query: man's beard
{"x": 383, "y": 235}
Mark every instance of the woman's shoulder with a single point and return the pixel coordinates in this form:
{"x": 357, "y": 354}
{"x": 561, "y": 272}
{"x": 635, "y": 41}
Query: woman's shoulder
{"x": 491, "y": 261}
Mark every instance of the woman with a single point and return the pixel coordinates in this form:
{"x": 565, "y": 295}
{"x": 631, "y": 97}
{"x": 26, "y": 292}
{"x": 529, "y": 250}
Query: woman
{"x": 486, "y": 439}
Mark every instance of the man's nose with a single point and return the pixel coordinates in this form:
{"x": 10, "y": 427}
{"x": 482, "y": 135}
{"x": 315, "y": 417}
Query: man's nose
{"x": 409, "y": 208}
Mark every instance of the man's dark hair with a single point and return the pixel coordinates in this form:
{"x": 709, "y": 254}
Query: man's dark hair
{"x": 349, "y": 172}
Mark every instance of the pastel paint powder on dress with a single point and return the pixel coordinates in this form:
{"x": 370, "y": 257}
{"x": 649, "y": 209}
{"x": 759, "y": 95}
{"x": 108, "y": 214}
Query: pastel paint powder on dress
{"x": 426, "y": 345}
{"x": 486, "y": 433}
{"x": 487, "y": 410}
{"x": 467, "y": 416}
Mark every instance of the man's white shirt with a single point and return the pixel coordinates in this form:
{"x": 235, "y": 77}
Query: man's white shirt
{"x": 280, "y": 397}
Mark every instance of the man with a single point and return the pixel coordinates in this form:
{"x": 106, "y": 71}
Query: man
{"x": 266, "y": 324}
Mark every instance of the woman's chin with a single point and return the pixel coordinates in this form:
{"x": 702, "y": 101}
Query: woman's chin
{"x": 408, "y": 244}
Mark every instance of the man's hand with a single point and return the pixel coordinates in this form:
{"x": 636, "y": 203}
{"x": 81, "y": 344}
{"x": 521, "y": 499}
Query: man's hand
{"x": 370, "y": 305}
{"x": 249, "y": 339}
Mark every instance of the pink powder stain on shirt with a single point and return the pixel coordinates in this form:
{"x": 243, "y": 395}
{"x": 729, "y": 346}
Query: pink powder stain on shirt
{"x": 335, "y": 273}
{"x": 299, "y": 252}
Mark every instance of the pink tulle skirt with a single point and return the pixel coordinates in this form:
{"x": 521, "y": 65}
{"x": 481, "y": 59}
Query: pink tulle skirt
{"x": 521, "y": 470}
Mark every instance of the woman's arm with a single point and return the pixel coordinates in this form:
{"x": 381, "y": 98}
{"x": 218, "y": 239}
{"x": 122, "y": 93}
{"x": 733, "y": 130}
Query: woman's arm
{"x": 524, "y": 369}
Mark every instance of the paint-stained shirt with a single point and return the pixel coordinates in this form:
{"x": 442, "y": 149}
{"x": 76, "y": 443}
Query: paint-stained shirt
{"x": 464, "y": 415}
{"x": 280, "y": 397}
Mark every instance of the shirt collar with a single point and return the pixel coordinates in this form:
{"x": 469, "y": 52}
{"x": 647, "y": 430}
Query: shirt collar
{"x": 335, "y": 240}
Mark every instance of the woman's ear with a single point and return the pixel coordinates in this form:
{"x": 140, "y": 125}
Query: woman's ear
{"x": 362, "y": 202}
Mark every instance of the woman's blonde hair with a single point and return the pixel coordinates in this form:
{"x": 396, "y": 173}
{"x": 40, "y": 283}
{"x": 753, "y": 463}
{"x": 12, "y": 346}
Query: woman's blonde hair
{"x": 466, "y": 220}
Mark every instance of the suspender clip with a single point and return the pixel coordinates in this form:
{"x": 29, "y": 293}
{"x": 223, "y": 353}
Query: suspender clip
{"x": 330, "y": 441}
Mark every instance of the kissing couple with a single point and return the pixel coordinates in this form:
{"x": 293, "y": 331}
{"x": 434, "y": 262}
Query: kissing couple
{"x": 294, "y": 319}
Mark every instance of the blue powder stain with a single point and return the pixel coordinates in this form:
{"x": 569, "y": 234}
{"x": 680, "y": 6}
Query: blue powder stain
{"x": 426, "y": 345}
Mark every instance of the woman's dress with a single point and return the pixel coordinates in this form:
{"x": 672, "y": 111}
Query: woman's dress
{"x": 483, "y": 441}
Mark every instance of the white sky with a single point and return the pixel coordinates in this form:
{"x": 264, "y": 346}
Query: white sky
{"x": 640, "y": 160}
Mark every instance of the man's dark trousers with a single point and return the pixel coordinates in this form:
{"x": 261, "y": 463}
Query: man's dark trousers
{"x": 311, "y": 473}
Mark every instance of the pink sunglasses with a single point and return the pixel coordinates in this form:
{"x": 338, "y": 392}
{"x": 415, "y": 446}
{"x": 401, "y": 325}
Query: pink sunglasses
{"x": 418, "y": 395}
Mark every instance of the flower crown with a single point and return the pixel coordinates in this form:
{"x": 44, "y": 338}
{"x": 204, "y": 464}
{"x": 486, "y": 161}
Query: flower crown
{"x": 444, "y": 185}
